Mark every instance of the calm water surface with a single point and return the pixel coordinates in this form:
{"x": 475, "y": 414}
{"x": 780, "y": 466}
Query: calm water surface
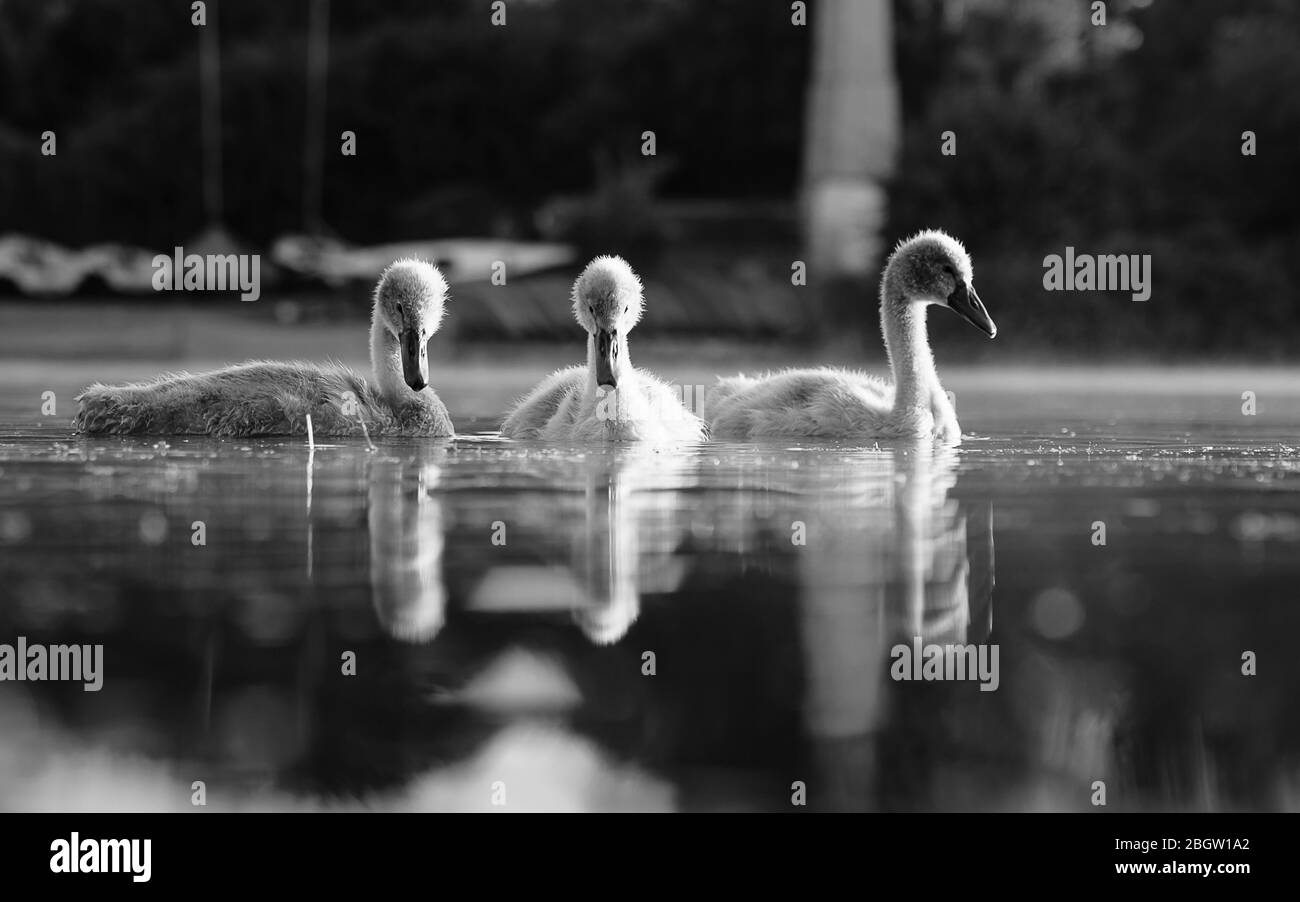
{"x": 708, "y": 627}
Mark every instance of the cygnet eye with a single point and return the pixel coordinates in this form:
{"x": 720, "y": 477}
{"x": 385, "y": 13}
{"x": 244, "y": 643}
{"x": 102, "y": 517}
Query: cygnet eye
{"x": 626, "y": 307}
{"x": 398, "y": 307}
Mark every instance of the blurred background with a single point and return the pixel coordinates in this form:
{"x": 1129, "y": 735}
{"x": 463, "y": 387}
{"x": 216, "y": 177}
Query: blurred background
{"x": 782, "y": 133}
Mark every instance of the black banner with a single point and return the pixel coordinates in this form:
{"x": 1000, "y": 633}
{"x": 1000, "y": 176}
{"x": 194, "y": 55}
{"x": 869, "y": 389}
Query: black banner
{"x": 1152, "y": 853}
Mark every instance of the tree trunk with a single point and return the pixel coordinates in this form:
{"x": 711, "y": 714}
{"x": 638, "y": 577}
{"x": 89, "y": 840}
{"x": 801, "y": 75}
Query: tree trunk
{"x": 850, "y": 138}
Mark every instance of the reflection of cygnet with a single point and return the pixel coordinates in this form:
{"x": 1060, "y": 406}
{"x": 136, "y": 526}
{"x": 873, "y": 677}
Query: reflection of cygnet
{"x": 609, "y": 552}
{"x": 406, "y": 542}
{"x": 607, "y": 623}
{"x": 932, "y": 599}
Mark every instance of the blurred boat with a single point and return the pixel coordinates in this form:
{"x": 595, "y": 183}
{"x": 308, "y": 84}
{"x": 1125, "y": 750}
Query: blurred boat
{"x": 44, "y": 269}
{"x": 460, "y": 259}
{"x": 124, "y": 269}
{"x": 40, "y": 267}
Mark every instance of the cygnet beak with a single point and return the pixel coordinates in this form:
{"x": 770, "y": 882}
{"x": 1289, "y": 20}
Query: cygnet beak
{"x": 415, "y": 359}
{"x": 606, "y": 355}
{"x": 967, "y": 303}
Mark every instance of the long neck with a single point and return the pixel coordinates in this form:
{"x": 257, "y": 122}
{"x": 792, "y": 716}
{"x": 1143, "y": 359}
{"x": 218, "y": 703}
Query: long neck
{"x": 903, "y": 324}
{"x": 386, "y": 361}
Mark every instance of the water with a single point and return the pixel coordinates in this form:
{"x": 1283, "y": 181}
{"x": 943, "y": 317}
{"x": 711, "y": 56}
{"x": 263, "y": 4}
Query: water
{"x": 701, "y": 628}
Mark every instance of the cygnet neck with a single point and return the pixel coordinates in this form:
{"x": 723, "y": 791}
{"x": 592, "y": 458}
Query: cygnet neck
{"x": 386, "y": 361}
{"x": 902, "y": 320}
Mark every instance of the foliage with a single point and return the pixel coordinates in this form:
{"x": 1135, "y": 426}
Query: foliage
{"x": 1134, "y": 151}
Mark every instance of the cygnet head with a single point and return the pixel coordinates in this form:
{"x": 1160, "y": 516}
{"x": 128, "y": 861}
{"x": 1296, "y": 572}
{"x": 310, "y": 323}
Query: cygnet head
{"x": 607, "y": 302}
{"x": 933, "y": 268}
{"x": 409, "y": 303}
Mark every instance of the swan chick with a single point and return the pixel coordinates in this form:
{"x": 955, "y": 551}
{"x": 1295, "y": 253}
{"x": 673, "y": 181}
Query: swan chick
{"x": 929, "y": 269}
{"x": 608, "y": 399}
{"x": 275, "y": 398}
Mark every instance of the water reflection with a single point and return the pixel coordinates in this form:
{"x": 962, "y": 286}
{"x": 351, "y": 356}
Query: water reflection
{"x": 584, "y": 537}
{"x": 882, "y": 555}
{"x": 701, "y": 630}
{"x": 404, "y": 518}
{"x": 517, "y": 582}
